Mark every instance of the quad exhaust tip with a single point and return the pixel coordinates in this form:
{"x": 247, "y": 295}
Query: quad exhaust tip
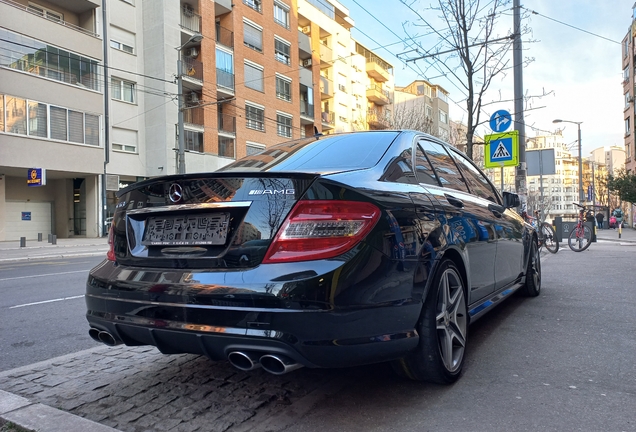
{"x": 275, "y": 364}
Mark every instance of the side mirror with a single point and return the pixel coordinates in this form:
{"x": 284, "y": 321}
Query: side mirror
{"x": 511, "y": 200}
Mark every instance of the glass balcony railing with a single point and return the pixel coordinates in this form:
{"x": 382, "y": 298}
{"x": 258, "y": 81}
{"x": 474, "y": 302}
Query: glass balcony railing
{"x": 225, "y": 79}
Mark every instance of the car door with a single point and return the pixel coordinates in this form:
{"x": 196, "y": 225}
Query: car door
{"x": 507, "y": 225}
{"x": 469, "y": 218}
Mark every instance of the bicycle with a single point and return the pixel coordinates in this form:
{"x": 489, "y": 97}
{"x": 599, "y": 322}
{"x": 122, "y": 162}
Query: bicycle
{"x": 580, "y": 237}
{"x": 546, "y": 235}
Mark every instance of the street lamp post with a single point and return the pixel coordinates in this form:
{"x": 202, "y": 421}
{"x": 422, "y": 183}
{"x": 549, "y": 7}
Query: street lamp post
{"x": 578, "y": 125}
{"x": 181, "y": 169}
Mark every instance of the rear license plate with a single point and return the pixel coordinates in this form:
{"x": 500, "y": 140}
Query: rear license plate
{"x": 206, "y": 229}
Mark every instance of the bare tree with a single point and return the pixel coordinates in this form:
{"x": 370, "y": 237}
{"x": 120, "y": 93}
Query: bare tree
{"x": 412, "y": 116}
{"x": 469, "y": 50}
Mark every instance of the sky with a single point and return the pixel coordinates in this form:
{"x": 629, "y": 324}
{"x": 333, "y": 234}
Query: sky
{"x": 580, "y": 74}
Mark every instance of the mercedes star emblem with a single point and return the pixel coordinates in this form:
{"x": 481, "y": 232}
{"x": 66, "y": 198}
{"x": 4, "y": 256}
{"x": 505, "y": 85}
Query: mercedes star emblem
{"x": 175, "y": 193}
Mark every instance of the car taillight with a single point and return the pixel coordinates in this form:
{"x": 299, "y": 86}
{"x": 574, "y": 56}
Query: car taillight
{"x": 110, "y": 256}
{"x": 321, "y": 229}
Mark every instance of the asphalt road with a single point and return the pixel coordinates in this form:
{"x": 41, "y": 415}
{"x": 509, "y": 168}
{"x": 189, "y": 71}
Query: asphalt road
{"x": 42, "y": 309}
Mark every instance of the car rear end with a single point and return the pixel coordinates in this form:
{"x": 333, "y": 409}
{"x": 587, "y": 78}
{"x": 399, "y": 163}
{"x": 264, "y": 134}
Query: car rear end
{"x": 260, "y": 267}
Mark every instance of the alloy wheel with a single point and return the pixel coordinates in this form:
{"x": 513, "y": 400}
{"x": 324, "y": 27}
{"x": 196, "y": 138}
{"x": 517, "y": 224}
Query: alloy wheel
{"x": 451, "y": 320}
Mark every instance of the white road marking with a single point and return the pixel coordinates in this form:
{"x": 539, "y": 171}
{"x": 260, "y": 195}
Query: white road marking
{"x": 47, "y": 301}
{"x": 42, "y": 275}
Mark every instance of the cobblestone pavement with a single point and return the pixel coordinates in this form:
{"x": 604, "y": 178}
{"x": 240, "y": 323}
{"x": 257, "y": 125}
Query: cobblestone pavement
{"x": 139, "y": 389}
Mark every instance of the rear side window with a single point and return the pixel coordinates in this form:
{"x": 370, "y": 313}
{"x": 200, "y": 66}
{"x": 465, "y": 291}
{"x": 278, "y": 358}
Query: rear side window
{"x": 477, "y": 181}
{"x": 423, "y": 168}
{"x": 343, "y": 152}
{"x": 445, "y": 167}
{"x": 400, "y": 169}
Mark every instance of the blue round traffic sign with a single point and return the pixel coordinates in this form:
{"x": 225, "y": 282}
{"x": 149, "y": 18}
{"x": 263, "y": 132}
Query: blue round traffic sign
{"x": 500, "y": 121}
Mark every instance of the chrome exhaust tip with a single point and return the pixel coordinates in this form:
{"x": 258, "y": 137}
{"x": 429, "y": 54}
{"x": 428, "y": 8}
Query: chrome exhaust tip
{"x": 243, "y": 361}
{"x": 94, "y": 334}
{"x": 107, "y": 339}
{"x": 278, "y": 364}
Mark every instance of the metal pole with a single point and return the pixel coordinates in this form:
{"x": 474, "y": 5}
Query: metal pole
{"x": 106, "y": 47}
{"x": 181, "y": 169}
{"x": 502, "y": 179}
{"x": 520, "y": 178}
{"x": 580, "y": 166}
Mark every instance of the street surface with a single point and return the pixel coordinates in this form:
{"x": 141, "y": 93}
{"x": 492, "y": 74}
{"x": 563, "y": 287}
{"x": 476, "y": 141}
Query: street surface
{"x": 563, "y": 361}
{"x": 42, "y": 309}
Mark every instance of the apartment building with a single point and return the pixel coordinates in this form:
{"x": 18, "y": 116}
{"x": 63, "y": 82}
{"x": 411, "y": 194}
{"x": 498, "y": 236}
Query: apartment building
{"x": 421, "y": 99}
{"x": 232, "y": 78}
{"x": 629, "y": 92}
{"x": 51, "y": 117}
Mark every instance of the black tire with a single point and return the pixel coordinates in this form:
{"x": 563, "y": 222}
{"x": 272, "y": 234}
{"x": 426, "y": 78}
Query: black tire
{"x": 443, "y": 330}
{"x": 549, "y": 238}
{"x": 580, "y": 244}
{"x": 532, "y": 287}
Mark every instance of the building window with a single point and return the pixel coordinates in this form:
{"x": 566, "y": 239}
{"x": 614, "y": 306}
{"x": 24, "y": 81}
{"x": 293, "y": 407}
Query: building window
{"x": 257, "y": 5}
{"x": 281, "y": 14}
{"x": 443, "y": 117}
{"x": 123, "y": 90}
{"x": 254, "y": 76}
{"x": 628, "y": 100}
{"x": 627, "y": 126}
{"x": 124, "y": 148}
{"x": 284, "y": 125}
{"x": 429, "y": 111}
{"x": 253, "y": 36}
{"x": 626, "y": 74}
{"x": 283, "y": 88}
{"x": 282, "y": 51}
{"x": 193, "y": 140}
{"x": 626, "y": 47}
{"x": 16, "y": 112}
{"x": 121, "y": 46}
{"x": 253, "y": 148}
{"x": 47, "y": 121}
{"x": 226, "y": 147}
{"x": 255, "y": 117}
{"x": 37, "y": 58}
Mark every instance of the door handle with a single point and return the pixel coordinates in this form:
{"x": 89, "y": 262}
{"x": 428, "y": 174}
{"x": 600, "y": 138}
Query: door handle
{"x": 454, "y": 201}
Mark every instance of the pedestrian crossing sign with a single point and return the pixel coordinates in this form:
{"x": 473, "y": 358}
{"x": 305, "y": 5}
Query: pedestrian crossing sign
{"x": 502, "y": 149}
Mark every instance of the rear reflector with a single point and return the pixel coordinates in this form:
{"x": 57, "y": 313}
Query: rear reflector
{"x": 321, "y": 229}
{"x": 110, "y": 256}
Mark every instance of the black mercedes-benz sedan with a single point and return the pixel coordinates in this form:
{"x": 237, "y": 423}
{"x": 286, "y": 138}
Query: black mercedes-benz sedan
{"x": 329, "y": 251}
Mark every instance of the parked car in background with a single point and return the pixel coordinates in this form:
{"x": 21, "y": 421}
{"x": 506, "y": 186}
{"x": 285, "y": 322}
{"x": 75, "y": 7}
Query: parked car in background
{"x": 329, "y": 251}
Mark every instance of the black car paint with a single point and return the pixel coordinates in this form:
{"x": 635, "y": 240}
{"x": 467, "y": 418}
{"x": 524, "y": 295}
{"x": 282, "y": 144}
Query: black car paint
{"x": 358, "y": 308}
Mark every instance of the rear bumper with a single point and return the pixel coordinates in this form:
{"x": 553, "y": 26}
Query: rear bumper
{"x": 213, "y": 319}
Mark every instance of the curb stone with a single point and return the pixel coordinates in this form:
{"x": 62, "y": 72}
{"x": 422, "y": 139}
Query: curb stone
{"x": 43, "y": 418}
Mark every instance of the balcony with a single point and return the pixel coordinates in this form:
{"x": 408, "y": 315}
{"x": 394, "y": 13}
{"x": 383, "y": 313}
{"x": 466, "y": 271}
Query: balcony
{"x": 225, "y": 82}
{"x": 306, "y": 112}
{"x": 306, "y": 77}
{"x": 193, "y": 116}
{"x": 224, "y": 37}
{"x": 326, "y": 88}
{"x": 375, "y": 69}
{"x": 227, "y": 124}
{"x": 304, "y": 45}
{"x": 376, "y": 119}
{"x": 227, "y": 147}
{"x": 192, "y": 70}
{"x": 326, "y": 56}
{"x": 190, "y": 20}
{"x": 328, "y": 120}
{"x": 221, "y": 7}
{"x": 377, "y": 95}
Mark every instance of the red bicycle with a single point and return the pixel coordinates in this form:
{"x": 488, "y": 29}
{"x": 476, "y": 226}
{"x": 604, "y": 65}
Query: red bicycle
{"x": 581, "y": 235}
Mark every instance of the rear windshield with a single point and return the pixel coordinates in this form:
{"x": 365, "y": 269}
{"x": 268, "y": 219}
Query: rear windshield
{"x": 331, "y": 153}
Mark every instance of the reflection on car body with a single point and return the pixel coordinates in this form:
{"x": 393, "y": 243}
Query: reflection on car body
{"x": 383, "y": 252}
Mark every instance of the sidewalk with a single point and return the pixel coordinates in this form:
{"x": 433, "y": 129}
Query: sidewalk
{"x": 628, "y": 235}
{"x": 65, "y": 248}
